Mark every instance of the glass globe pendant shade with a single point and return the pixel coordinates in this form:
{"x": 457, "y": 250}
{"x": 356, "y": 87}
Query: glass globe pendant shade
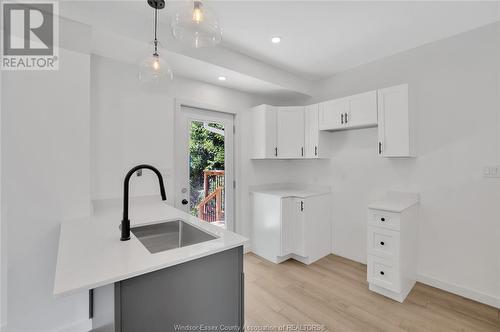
{"x": 196, "y": 25}
{"x": 155, "y": 69}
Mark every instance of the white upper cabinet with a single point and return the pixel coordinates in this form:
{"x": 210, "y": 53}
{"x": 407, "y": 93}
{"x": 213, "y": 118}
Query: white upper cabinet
{"x": 316, "y": 142}
{"x": 332, "y": 114}
{"x": 264, "y": 131}
{"x": 362, "y": 110}
{"x": 357, "y": 111}
{"x": 290, "y": 132}
{"x": 395, "y": 132}
{"x": 303, "y": 132}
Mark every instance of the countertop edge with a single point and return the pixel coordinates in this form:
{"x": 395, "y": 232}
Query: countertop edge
{"x": 101, "y": 225}
{"x": 63, "y": 293}
{"x": 375, "y": 206}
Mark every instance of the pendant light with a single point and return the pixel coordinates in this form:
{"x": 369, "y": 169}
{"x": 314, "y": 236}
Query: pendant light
{"x": 196, "y": 25}
{"x": 154, "y": 68}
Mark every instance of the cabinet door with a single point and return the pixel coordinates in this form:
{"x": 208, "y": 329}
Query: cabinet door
{"x": 156, "y": 301}
{"x": 363, "y": 110}
{"x": 293, "y": 231}
{"x": 317, "y": 226}
{"x": 264, "y": 131}
{"x": 266, "y": 225}
{"x": 290, "y": 125}
{"x": 332, "y": 114}
{"x": 312, "y": 131}
{"x": 288, "y": 221}
{"x": 299, "y": 230}
{"x": 394, "y": 122}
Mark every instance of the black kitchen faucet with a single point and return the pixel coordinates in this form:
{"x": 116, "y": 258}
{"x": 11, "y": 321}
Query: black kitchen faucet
{"x": 125, "y": 229}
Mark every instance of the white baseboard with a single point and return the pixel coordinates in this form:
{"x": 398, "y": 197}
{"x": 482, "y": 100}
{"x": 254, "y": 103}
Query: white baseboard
{"x": 491, "y": 300}
{"x": 82, "y": 326}
{"x": 468, "y": 293}
{"x": 356, "y": 259}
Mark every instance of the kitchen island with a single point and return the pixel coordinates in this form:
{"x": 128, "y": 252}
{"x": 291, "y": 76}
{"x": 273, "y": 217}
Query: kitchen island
{"x": 137, "y": 288}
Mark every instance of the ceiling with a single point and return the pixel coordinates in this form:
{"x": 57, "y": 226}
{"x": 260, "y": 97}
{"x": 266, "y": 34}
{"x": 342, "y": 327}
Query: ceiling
{"x": 319, "y": 38}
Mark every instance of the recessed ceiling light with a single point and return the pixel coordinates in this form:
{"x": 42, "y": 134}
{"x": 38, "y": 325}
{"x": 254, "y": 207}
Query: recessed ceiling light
{"x": 222, "y": 78}
{"x": 276, "y": 40}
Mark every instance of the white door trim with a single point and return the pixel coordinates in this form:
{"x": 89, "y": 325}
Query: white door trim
{"x": 178, "y": 104}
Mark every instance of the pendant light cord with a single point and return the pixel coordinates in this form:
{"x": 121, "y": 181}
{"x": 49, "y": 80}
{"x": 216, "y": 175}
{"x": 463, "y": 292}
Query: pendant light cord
{"x": 156, "y": 32}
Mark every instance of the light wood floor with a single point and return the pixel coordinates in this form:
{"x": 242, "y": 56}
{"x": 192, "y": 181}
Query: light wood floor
{"x": 333, "y": 292}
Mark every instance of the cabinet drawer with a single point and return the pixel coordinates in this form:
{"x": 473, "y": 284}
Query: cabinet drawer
{"x": 384, "y": 273}
{"x": 383, "y": 242}
{"x": 389, "y": 220}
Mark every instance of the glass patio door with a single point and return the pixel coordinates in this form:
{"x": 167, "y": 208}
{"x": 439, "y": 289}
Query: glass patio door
{"x": 204, "y": 165}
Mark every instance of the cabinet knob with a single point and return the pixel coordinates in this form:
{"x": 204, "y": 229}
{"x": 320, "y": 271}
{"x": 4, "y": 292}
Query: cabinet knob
{"x": 382, "y": 272}
{"x": 382, "y": 243}
{"x": 382, "y": 219}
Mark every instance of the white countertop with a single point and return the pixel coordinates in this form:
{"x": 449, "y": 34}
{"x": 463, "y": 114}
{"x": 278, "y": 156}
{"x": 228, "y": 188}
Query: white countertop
{"x": 395, "y": 202}
{"x": 298, "y": 191}
{"x": 91, "y": 254}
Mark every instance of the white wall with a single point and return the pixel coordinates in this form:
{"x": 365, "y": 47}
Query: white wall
{"x": 132, "y": 124}
{"x": 46, "y": 129}
{"x": 45, "y": 181}
{"x": 454, "y": 89}
{"x": 3, "y": 242}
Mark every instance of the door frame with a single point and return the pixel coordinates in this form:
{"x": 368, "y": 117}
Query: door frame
{"x": 178, "y": 104}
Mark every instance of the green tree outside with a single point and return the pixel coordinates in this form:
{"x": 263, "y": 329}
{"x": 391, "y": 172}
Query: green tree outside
{"x": 206, "y": 151}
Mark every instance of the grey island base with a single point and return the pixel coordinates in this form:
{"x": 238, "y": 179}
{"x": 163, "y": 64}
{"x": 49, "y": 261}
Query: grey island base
{"x": 203, "y": 294}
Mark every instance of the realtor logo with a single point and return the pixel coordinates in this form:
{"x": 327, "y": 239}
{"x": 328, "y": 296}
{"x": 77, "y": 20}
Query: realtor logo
{"x": 30, "y": 36}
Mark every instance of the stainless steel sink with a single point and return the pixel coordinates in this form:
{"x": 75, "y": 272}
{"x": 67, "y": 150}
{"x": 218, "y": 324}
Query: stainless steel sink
{"x": 170, "y": 235}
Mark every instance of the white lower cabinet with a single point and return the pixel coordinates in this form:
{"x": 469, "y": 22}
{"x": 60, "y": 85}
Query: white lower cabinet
{"x": 291, "y": 227}
{"x": 383, "y": 242}
{"x": 392, "y": 246}
{"x": 383, "y": 273}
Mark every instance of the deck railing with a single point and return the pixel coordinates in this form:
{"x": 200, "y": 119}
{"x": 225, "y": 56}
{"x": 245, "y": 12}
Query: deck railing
{"x": 212, "y": 206}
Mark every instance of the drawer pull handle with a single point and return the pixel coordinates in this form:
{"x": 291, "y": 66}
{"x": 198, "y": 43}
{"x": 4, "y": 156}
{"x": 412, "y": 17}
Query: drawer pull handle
{"x": 382, "y": 219}
{"x": 382, "y": 272}
{"x": 382, "y": 243}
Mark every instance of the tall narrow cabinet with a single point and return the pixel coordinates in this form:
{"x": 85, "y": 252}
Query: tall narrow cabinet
{"x": 264, "y": 122}
{"x": 316, "y": 141}
{"x": 396, "y": 134}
